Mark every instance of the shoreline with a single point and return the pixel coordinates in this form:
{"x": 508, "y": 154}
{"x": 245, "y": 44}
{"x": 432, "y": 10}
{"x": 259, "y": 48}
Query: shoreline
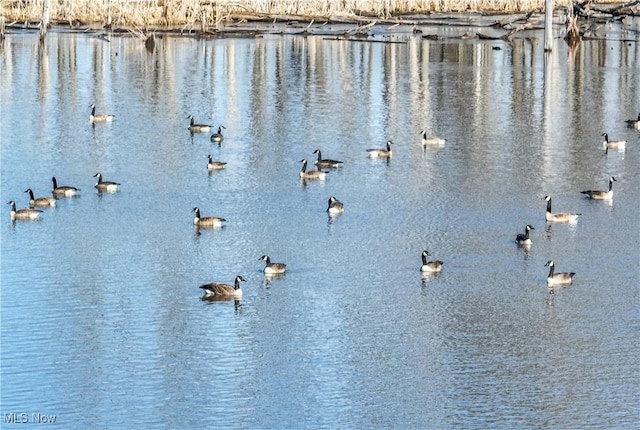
{"x": 241, "y": 21}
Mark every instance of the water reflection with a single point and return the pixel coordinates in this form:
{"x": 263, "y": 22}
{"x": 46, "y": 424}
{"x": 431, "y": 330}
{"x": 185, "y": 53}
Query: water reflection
{"x": 352, "y": 327}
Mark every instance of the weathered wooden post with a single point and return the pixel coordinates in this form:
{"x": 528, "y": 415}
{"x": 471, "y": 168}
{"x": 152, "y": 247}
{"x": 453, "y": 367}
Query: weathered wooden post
{"x": 44, "y": 23}
{"x": 548, "y": 25}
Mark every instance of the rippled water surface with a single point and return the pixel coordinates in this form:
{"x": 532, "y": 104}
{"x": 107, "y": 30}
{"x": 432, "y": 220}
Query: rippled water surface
{"x": 103, "y": 323}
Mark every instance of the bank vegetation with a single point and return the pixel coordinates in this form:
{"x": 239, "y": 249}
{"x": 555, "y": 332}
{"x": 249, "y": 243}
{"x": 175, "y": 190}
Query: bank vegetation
{"x": 188, "y": 14}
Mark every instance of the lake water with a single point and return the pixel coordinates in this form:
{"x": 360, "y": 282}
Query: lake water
{"x": 103, "y": 322}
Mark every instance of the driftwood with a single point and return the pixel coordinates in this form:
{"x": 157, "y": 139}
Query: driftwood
{"x": 358, "y": 39}
{"x": 588, "y": 9}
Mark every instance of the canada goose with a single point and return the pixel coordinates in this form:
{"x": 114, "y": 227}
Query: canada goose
{"x": 560, "y": 216}
{"x": 197, "y": 128}
{"x": 223, "y": 290}
{"x": 101, "y": 117}
{"x": 272, "y": 268}
{"x": 634, "y": 123}
{"x": 105, "y": 186}
{"x": 40, "y": 201}
{"x": 207, "y": 221}
{"x": 325, "y": 162}
{"x": 430, "y": 266}
{"x": 524, "y": 239}
{"x": 426, "y": 141}
{"x": 601, "y": 195}
{"x": 63, "y": 191}
{"x": 558, "y": 278}
{"x": 381, "y": 153}
{"x": 335, "y": 207}
{"x": 25, "y": 214}
{"x": 218, "y": 137}
{"x": 215, "y": 165}
{"x": 613, "y": 144}
{"x": 312, "y": 174}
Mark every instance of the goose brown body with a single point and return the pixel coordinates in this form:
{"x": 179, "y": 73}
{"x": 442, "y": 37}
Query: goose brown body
{"x": 197, "y": 128}
{"x": 105, "y": 186}
{"x": 26, "y": 214}
{"x": 430, "y": 266}
{"x": 326, "y": 162}
{"x": 312, "y": 175}
{"x": 101, "y": 117}
{"x": 381, "y": 152}
{"x": 562, "y": 278}
{"x": 63, "y": 191}
{"x": 273, "y": 268}
{"x": 217, "y": 289}
{"x": 562, "y": 217}
{"x": 207, "y": 221}
{"x": 634, "y": 123}
{"x": 599, "y": 194}
{"x": 620, "y": 145}
{"x": 431, "y": 140}
{"x": 39, "y": 201}
{"x": 335, "y": 206}
{"x": 215, "y": 165}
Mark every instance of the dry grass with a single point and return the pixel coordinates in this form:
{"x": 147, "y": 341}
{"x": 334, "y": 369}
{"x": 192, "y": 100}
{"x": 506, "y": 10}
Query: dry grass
{"x": 161, "y": 13}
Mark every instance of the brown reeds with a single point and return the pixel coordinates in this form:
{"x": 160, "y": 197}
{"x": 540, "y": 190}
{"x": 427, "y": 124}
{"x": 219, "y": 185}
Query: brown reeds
{"x": 190, "y": 14}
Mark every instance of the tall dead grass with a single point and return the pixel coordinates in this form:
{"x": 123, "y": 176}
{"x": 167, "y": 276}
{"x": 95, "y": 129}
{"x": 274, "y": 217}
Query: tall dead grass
{"x": 161, "y": 13}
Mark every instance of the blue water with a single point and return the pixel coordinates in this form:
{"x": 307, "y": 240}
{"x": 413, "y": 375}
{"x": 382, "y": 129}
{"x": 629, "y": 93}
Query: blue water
{"x": 102, "y": 319}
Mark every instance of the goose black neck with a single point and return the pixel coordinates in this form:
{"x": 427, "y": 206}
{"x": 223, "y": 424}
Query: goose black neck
{"x": 424, "y": 258}
{"x": 610, "y": 184}
{"x": 550, "y": 271}
{"x": 549, "y": 205}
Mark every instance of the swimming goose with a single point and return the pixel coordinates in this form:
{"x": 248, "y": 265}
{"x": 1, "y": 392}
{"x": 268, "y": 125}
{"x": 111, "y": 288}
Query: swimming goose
{"x": 325, "y": 162}
{"x": 272, "y": 268}
{"x": 381, "y": 153}
{"x": 524, "y": 239}
{"x": 216, "y": 289}
{"x": 560, "y": 216}
{"x": 335, "y": 207}
{"x": 601, "y": 195}
{"x": 558, "y": 278}
{"x": 197, "y": 128}
{"x": 40, "y": 201}
{"x": 634, "y": 123}
{"x": 426, "y": 141}
{"x": 430, "y": 266}
{"x": 101, "y": 117}
{"x": 218, "y": 137}
{"x": 215, "y": 165}
{"x": 105, "y": 186}
{"x": 312, "y": 174}
{"x": 63, "y": 191}
{"x": 25, "y": 214}
{"x": 207, "y": 221}
{"x": 613, "y": 144}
